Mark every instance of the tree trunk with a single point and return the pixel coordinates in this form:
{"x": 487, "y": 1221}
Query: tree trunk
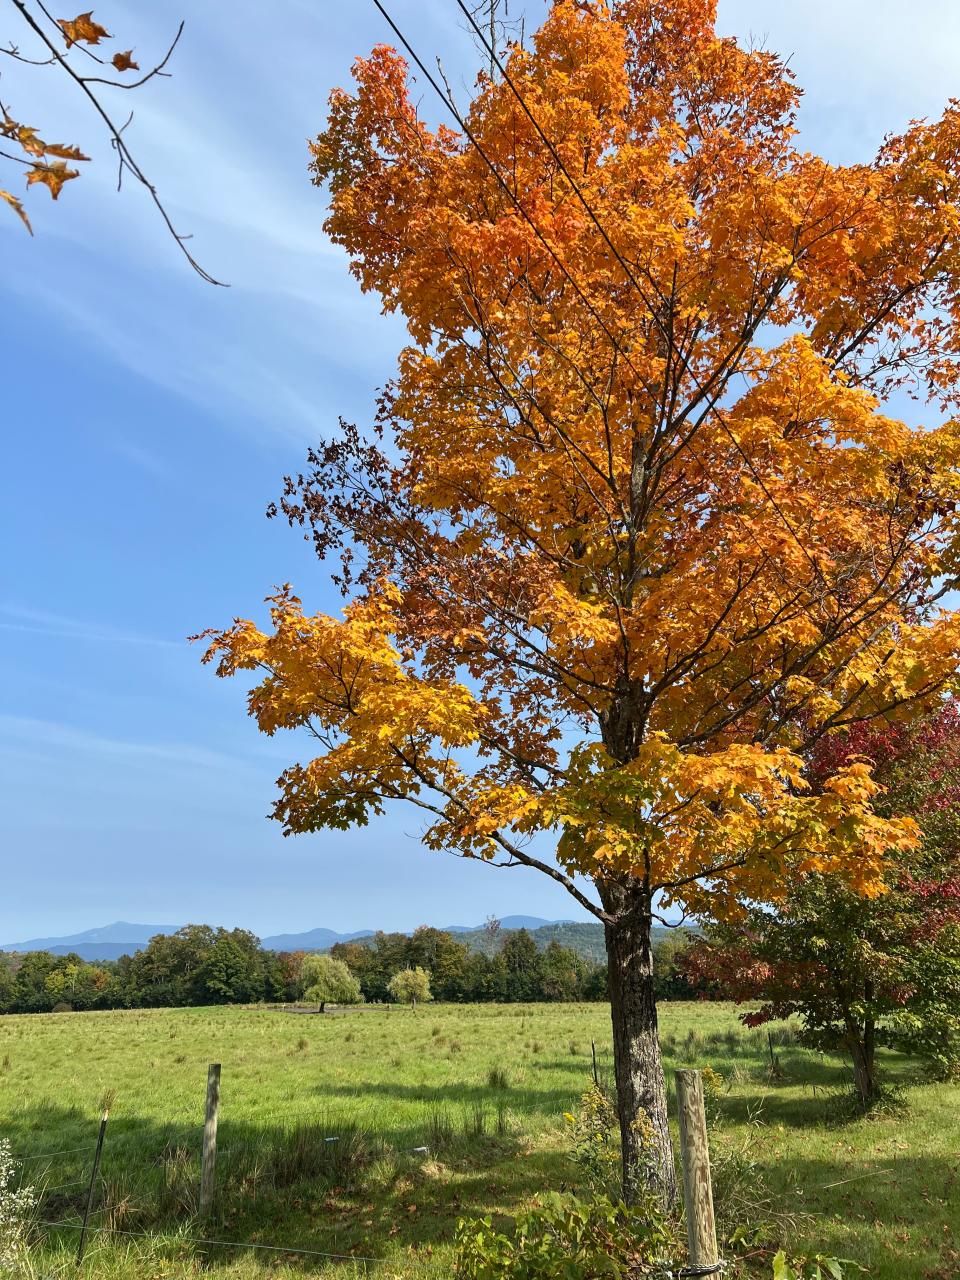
{"x": 647, "y": 1156}
{"x": 863, "y": 1052}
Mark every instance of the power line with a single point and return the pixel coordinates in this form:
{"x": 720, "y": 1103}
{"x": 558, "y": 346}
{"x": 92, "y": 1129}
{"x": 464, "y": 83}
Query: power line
{"x": 628, "y": 271}
{"x": 452, "y": 108}
{"x": 472, "y": 139}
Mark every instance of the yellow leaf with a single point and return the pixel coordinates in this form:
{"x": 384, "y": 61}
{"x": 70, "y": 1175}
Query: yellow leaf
{"x": 16, "y": 205}
{"x": 24, "y": 135}
{"x": 82, "y": 27}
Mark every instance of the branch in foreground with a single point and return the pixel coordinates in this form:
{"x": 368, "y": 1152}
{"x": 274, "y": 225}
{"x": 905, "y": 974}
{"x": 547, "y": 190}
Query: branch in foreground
{"x": 54, "y": 175}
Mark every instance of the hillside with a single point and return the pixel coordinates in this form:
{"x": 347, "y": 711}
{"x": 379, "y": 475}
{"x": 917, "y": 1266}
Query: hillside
{"x": 123, "y": 938}
{"x": 584, "y": 937}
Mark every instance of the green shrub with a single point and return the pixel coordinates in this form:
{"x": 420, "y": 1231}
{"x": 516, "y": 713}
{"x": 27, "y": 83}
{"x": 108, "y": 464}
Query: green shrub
{"x": 814, "y": 1268}
{"x": 563, "y": 1238}
{"x": 596, "y": 1142}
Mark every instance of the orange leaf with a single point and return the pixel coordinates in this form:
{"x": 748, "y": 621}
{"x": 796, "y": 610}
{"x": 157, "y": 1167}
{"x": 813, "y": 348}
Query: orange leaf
{"x": 23, "y": 134}
{"x": 82, "y": 27}
{"x": 125, "y": 62}
{"x": 63, "y": 151}
{"x": 28, "y": 139}
{"x": 15, "y": 204}
{"x": 53, "y": 176}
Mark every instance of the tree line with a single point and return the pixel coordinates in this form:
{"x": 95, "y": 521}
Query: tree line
{"x": 202, "y": 965}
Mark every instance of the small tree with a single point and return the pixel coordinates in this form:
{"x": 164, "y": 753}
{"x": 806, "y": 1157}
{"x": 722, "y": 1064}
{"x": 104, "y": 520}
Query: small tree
{"x": 866, "y": 970}
{"x": 410, "y": 985}
{"x": 324, "y": 980}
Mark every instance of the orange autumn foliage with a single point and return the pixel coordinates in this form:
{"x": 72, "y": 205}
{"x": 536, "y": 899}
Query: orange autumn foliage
{"x": 643, "y": 526}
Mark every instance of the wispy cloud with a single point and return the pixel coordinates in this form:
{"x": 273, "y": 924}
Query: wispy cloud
{"x": 292, "y": 342}
{"x": 141, "y": 457}
{"x": 40, "y": 622}
{"x": 26, "y": 733}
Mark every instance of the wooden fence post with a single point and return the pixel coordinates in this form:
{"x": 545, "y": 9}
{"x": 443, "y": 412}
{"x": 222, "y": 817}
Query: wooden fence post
{"x": 208, "y": 1166}
{"x": 697, "y": 1188}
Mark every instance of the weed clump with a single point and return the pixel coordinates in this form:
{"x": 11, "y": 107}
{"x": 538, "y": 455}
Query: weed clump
{"x": 439, "y": 1129}
{"x": 497, "y": 1078}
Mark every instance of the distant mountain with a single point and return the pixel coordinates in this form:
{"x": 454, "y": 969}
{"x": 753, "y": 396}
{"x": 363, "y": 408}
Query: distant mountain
{"x": 106, "y": 943}
{"x": 90, "y": 951}
{"x": 122, "y": 938}
{"x": 508, "y": 922}
{"x": 313, "y": 940}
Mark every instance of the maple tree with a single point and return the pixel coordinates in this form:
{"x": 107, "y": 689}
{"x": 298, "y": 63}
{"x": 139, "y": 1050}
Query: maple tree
{"x": 860, "y": 971}
{"x": 634, "y": 528}
{"x": 51, "y": 164}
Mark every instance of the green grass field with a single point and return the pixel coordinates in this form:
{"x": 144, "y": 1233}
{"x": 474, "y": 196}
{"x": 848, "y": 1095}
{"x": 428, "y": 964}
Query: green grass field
{"x": 882, "y": 1191}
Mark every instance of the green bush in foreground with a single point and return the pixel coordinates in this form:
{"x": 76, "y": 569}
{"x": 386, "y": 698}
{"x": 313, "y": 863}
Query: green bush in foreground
{"x": 564, "y": 1238}
{"x": 816, "y": 1268}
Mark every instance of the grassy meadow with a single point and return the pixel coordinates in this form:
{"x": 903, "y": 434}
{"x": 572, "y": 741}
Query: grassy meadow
{"x": 483, "y": 1088}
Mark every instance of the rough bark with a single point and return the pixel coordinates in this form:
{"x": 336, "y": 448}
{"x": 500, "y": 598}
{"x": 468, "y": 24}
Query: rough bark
{"x": 863, "y": 1053}
{"x": 647, "y": 1158}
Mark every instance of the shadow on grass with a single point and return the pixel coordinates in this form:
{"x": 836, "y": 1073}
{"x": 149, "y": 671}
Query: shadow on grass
{"x": 898, "y": 1217}
{"x": 460, "y": 1094}
{"x": 898, "y": 1214}
{"x": 366, "y": 1193}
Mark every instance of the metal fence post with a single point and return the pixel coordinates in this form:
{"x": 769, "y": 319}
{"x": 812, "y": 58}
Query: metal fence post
{"x": 93, "y": 1185}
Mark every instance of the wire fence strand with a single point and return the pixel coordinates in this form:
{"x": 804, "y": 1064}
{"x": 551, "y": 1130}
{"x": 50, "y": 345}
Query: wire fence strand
{"x": 222, "y": 1244}
{"x": 49, "y": 1155}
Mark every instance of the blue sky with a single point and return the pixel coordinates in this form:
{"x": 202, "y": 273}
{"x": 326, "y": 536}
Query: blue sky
{"x": 149, "y": 419}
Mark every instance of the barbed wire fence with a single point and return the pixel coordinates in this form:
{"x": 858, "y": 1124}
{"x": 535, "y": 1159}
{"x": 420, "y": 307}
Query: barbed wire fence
{"x": 95, "y": 1183}
{"x": 704, "y": 1259}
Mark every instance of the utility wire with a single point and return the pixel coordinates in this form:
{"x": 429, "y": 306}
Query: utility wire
{"x": 48, "y": 1155}
{"x": 452, "y": 108}
{"x": 223, "y": 1244}
{"x": 472, "y": 139}
{"x": 628, "y": 271}
{"x": 504, "y": 185}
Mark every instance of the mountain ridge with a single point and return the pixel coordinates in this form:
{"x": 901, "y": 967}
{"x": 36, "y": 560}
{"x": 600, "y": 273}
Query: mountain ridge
{"x": 108, "y": 943}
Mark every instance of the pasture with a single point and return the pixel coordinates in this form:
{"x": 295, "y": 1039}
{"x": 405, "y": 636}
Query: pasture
{"x": 483, "y": 1088}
